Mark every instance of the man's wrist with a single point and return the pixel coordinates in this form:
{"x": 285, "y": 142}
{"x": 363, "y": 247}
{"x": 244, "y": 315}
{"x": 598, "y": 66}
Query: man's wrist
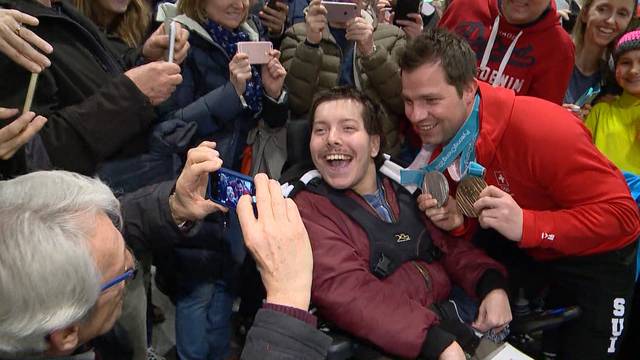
{"x": 177, "y": 217}
{"x": 295, "y": 300}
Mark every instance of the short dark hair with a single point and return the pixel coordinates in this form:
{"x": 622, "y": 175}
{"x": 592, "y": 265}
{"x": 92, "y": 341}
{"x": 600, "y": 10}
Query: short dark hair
{"x": 440, "y": 45}
{"x": 372, "y": 113}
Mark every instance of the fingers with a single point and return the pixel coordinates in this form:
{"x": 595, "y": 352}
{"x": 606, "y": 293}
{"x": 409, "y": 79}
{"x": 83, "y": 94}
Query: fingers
{"x": 493, "y": 191}
{"x": 263, "y": 197}
{"x": 15, "y": 127}
{"x": 426, "y": 201}
{"x": 6, "y": 113}
{"x": 278, "y": 205}
{"x": 9, "y": 148}
{"x": 248, "y": 221}
{"x": 293, "y": 214}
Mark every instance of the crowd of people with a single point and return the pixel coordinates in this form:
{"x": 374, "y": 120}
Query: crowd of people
{"x": 439, "y": 170}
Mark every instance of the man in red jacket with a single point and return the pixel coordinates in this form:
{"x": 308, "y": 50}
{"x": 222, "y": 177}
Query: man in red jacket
{"x": 519, "y": 44}
{"x": 381, "y": 270}
{"x": 551, "y": 193}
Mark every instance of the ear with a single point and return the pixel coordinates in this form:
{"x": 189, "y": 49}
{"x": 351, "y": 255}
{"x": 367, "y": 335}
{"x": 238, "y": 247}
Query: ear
{"x": 469, "y": 92}
{"x": 64, "y": 341}
{"x": 375, "y": 145}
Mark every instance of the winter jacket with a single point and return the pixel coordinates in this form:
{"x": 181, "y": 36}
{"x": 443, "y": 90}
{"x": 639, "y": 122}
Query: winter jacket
{"x": 392, "y": 313}
{"x": 312, "y": 69}
{"x": 95, "y": 112}
{"x": 615, "y": 127}
{"x": 574, "y": 200}
{"x": 541, "y": 62}
{"x": 207, "y": 97}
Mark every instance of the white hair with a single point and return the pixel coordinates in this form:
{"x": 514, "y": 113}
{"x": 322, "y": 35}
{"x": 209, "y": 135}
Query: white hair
{"x": 48, "y": 277}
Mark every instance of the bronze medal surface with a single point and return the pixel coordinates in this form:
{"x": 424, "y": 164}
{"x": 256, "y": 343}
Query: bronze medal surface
{"x": 467, "y": 194}
{"x": 436, "y": 184}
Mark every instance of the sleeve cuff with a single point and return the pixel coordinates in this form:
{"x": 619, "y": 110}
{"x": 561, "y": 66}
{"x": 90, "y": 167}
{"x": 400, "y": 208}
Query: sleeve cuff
{"x": 436, "y": 341}
{"x": 294, "y": 313}
{"x": 491, "y": 279}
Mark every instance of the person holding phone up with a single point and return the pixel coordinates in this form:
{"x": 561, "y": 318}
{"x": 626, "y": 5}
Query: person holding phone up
{"x": 226, "y": 94}
{"x": 324, "y": 52}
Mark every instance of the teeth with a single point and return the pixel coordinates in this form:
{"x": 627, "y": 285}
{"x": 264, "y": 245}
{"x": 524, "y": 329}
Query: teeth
{"x": 333, "y": 157}
{"x": 427, "y": 127}
{"x": 606, "y": 31}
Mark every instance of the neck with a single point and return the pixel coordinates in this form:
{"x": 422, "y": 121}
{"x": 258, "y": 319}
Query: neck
{"x": 104, "y": 19}
{"x": 46, "y": 3}
{"x": 369, "y": 183}
{"x": 588, "y": 58}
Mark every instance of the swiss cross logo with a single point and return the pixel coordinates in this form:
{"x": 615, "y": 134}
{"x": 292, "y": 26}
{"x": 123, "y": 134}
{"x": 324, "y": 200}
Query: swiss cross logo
{"x": 502, "y": 181}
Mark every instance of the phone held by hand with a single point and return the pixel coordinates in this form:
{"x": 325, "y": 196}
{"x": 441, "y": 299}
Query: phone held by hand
{"x": 588, "y": 96}
{"x": 258, "y": 51}
{"x": 340, "y": 12}
{"x": 172, "y": 40}
{"x": 226, "y": 186}
{"x": 273, "y": 4}
{"x": 406, "y": 7}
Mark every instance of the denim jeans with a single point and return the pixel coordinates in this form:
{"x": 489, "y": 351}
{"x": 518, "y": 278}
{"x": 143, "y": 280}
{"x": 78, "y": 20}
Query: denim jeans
{"x": 203, "y": 320}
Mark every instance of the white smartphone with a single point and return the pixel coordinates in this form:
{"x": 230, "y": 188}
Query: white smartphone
{"x": 172, "y": 40}
{"x": 340, "y": 11}
{"x": 258, "y": 51}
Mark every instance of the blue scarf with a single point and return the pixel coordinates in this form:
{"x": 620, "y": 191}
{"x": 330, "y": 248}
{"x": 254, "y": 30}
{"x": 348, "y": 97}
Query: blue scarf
{"x": 228, "y": 40}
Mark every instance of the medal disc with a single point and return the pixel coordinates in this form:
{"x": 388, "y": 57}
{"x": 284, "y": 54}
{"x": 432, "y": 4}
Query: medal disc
{"x": 467, "y": 194}
{"x": 435, "y": 183}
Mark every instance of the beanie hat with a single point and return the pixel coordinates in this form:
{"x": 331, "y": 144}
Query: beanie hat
{"x": 629, "y": 41}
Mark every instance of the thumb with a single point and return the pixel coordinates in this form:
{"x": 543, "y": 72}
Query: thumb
{"x": 492, "y": 191}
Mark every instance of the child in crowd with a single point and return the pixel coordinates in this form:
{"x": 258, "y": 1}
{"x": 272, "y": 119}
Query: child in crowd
{"x": 615, "y": 126}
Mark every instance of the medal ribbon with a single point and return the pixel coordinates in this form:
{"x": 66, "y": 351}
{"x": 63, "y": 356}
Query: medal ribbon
{"x": 462, "y": 144}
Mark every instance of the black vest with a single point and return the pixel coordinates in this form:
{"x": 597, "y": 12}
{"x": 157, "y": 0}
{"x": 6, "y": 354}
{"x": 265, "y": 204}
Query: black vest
{"x": 390, "y": 244}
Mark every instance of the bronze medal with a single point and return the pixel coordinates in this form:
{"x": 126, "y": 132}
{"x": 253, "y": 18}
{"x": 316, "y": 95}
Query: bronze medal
{"x": 435, "y": 184}
{"x": 468, "y": 193}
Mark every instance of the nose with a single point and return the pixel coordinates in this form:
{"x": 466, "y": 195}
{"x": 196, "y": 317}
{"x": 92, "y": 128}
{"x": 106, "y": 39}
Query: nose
{"x": 333, "y": 137}
{"x": 415, "y": 112}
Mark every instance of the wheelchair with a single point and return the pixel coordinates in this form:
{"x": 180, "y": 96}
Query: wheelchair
{"x": 525, "y": 335}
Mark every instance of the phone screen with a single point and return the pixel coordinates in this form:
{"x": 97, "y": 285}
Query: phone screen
{"x": 226, "y": 187}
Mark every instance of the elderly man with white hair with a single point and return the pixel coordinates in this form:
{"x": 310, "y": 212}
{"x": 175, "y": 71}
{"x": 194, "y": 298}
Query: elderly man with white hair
{"x": 64, "y": 262}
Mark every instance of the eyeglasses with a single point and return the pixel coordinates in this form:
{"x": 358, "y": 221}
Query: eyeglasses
{"x": 128, "y": 274}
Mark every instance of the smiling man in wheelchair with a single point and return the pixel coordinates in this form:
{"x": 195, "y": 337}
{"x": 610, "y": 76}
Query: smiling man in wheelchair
{"x": 382, "y": 271}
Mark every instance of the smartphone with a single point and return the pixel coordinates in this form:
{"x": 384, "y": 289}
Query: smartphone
{"x": 227, "y": 186}
{"x": 588, "y": 96}
{"x": 258, "y": 51}
{"x": 340, "y": 12}
{"x": 272, "y": 3}
{"x": 172, "y": 40}
{"x": 405, "y": 7}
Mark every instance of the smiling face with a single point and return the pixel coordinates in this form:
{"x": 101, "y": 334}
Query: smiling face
{"x": 433, "y": 106}
{"x": 628, "y": 72}
{"x": 342, "y": 150}
{"x": 519, "y": 12}
{"x": 606, "y": 19}
{"x": 227, "y": 13}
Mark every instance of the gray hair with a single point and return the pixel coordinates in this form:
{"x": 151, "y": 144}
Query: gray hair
{"x": 48, "y": 277}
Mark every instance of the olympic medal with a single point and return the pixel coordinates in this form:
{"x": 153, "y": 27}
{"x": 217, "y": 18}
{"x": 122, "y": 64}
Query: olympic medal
{"x": 435, "y": 184}
{"x": 468, "y": 193}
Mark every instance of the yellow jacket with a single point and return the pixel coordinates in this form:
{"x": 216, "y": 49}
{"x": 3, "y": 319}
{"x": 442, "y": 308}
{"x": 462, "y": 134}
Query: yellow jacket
{"x": 615, "y": 128}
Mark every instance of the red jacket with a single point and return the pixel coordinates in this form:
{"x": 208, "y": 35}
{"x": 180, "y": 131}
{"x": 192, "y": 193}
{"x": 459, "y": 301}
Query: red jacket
{"x": 542, "y": 61}
{"x": 391, "y": 313}
{"x": 575, "y": 201}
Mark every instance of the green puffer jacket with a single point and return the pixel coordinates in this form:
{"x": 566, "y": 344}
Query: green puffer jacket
{"x": 313, "y": 69}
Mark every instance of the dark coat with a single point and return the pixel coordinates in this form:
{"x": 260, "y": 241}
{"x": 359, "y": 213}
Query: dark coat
{"x": 95, "y": 112}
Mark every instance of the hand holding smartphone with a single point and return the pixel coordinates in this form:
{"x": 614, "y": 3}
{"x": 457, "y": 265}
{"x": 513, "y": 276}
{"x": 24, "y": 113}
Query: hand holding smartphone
{"x": 340, "y": 11}
{"x": 226, "y": 186}
{"x": 258, "y": 51}
{"x": 405, "y": 7}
